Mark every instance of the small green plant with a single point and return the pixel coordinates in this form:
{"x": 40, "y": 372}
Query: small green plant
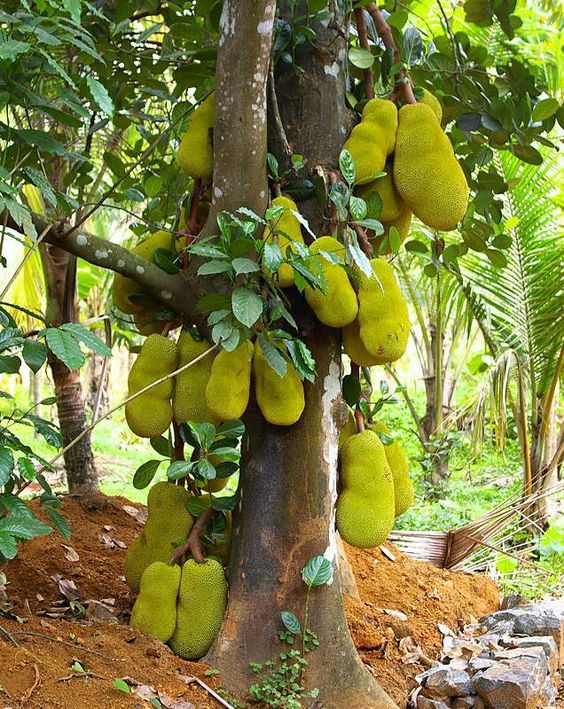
{"x": 281, "y": 680}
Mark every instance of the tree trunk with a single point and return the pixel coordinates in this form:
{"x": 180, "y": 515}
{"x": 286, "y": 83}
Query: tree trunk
{"x": 289, "y": 475}
{"x": 79, "y": 460}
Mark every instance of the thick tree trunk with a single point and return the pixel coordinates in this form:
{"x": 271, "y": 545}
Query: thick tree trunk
{"x": 289, "y": 475}
{"x": 79, "y": 460}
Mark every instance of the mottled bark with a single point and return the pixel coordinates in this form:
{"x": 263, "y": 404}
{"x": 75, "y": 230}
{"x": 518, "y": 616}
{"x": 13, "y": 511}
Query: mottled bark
{"x": 79, "y": 460}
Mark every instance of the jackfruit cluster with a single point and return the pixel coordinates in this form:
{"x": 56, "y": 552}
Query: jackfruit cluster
{"x": 398, "y": 461}
{"x": 373, "y": 139}
{"x": 228, "y": 387}
{"x": 365, "y": 505}
{"x": 189, "y": 403}
{"x": 202, "y": 600}
{"x": 150, "y": 414}
{"x": 195, "y": 153}
{"x": 154, "y": 611}
{"x": 280, "y": 399}
{"x": 123, "y": 289}
{"x": 338, "y": 305}
{"x": 168, "y": 525}
{"x": 287, "y": 231}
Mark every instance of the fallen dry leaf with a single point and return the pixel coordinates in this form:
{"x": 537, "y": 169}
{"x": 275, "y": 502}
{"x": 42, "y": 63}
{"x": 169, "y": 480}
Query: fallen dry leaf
{"x": 139, "y": 514}
{"x": 444, "y": 629}
{"x": 387, "y": 553}
{"x": 400, "y": 615}
{"x": 67, "y": 587}
{"x": 70, "y": 553}
{"x": 171, "y": 703}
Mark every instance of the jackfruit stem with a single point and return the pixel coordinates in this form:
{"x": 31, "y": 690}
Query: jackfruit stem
{"x": 368, "y": 74}
{"x": 178, "y": 453}
{"x": 358, "y": 415}
{"x": 193, "y": 222}
{"x": 403, "y": 82}
{"x": 194, "y": 544}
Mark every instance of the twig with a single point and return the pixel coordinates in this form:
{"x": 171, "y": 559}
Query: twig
{"x": 10, "y": 636}
{"x": 210, "y": 691}
{"x": 64, "y": 642}
{"x": 26, "y": 696}
{"x": 403, "y": 82}
{"x": 363, "y": 241}
{"x": 193, "y": 544}
{"x": 276, "y": 113}
{"x": 368, "y": 74}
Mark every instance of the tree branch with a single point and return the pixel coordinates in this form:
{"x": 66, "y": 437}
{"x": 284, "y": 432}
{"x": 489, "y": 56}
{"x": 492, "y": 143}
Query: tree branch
{"x": 194, "y": 544}
{"x": 368, "y": 74}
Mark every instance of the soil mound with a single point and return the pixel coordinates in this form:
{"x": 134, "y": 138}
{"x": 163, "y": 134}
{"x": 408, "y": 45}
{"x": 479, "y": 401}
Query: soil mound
{"x": 74, "y": 596}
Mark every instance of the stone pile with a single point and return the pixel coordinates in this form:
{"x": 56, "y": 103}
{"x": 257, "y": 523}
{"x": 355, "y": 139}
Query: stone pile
{"x": 508, "y": 660}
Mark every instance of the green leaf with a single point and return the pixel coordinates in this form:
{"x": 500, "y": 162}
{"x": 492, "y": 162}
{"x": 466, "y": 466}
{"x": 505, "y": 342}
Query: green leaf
{"x": 244, "y": 265}
{"x": 225, "y": 503}
{"x": 272, "y": 163}
{"x": 179, "y": 469}
{"x": 358, "y": 208}
{"x": 299, "y": 189}
{"x": 361, "y": 58}
{"x": 506, "y": 564}
{"x": 247, "y": 306}
{"x": 100, "y": 95}
{"x": 545, "y": 109}
{"x": 160, "y": 445}
{"x": 317, "y": 571}
{"x": 61, "y": 524}
{"x": 24, "y": 527}
{"x": 227, "y": 454}
{"x": 9, "y": 364}
{"x": 11, "y": 49}
{"x": 231, "y": 429}
{"x": 351, "y": 389}
{"x": 203, "y": 433}
{"x": 118, "y": 683}
{"x": 347, "y": 167}
{"x": 164, "y": 259}
{"x": 197, "y": 505}
{"x": 210, "y": 268}
{"x": 273, "y": 356}
{"x": 8, "y": 545}
{"x": 26, "y": 468}
{"x": 64, "y": 347}
{"x": 6, "y": 464}
{"x": 290, "y": 622}
{"x": 34, "y": 354}
{"x": 205, "y": 470}
{"x": 360, "y": 259}
{"x": 145, "y": 474}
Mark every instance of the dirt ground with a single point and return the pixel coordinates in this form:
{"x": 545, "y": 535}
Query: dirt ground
{"x": 73, "y": 596}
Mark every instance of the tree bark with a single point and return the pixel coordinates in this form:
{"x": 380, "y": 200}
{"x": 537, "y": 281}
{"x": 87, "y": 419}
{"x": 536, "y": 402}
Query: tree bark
{"x": 79, "y": 460}
{"x": 289, "y": 475}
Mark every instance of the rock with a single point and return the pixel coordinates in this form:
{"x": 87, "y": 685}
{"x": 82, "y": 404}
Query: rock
{"x": 548, "y": 694}
{"x": 546, "y": 642}
{"x": 426, "y": 703}
{"x": 464, "y": 702}
{"x": 513, "y": 684}
{"x": 446, "y": 682}
{"x": 535, "y": 619}
{"x": 477, "y": 664}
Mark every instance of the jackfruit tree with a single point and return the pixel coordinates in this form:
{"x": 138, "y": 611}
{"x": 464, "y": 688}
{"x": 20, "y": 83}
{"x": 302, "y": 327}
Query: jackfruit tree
{"x": 293, "y": 162}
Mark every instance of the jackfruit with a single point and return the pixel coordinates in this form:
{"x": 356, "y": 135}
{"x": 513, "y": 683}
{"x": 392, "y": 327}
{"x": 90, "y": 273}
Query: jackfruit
{"x": 228, "y": 387}
{"x": 280, "y": 399}
{"x": 168, "y": 525}
{"x": 433, "y": 102}
{"x": 154, "y": 611}
{"x": 123, "y": 287}
{"x": 398, "y": 461}
{"x": 288, "y": 230}
{"x": 426, "y": 173}
{"x": 195, "y": 153}
{"x": 189, "y": 402}
{"x": 146, "y": 323}
{"x": 373, "y": 139}
{"x": 365, "y": 506}
{"x": 382, "y": 314}
{"x": 202, "y": 600}
{"x": 338, "y": 306}
{"x": 348, "y": 430}
{"x": 150, "y": 414}
{"x": 354, "y": 347}
{"x": 392, "y": 203}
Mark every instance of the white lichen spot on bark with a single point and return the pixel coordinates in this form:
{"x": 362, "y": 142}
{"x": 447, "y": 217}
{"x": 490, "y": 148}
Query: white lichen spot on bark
{"x": 227, "y": 22}
{"x": 120, "y": 263}
{"x": 81, "y": 240}
{"x": 166, "y": 295}
{"x": 101, "y": 253}
{"x": 217, "y": 192}
{"x": 332, "y": 69}
{"x": 140, "y": 269}
{"x": 331, "y": 391}
{"x": 264, "y": 27}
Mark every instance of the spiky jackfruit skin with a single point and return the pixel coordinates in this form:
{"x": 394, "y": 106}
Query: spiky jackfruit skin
{"x": 146, "y": 323}
{"x": 154, "y": 611}
{"x": 382, "y": 314}
{"x": 347, "y": 431}
{"x": 168, "y": 524}
{"x": 365, "y": 506}
{"x": 427, "y": 175}
{"x": 373, "y": 139}
{"x": 150, "y": 414}
{"x": 354, "y": 347}
{"x": 404, "y": 494}
{"x": 188, "y": 401}
{"x": 195, "y": 153}
{"x": 338, "y": 306}
{"x": 228, "y": 387}
{"x": 123, "y": 287}
{"x": 290, "y": 226}
{"x": 280, "y": 399}
{"x": 433, "y": 102}
{"x": 392, "y": 203}
{"x": 202, "y": 600}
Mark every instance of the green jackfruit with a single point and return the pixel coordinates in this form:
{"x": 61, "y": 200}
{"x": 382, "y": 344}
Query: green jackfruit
{"x": 365, "y": 506}
{"x": 195, "y": 153}
{"x": 348, "y": 430}
{"x": 426, "y": 173}
{"x": 280, "y": 399}
{"x": 168, "y": 525}
{"x": 146, "y": 323}
{"x": 373, "y": 139}
{"x": 201, "y": 605}
{"x": 398, "y": 461}
{"x": 382, "y": 314}
{"x": 433, "y": 102}
{"x": 154, "y": 611}
{"x": 123, "y": 287}
{"x": 354, "y": 347}
{"x": 384, "y": 187}
{"x": 287, "y": 231}
{"x": 150, "y": 414}
{"x": 189, "y": 402}
{"x": 338, "y": 306}
{"x": 228, "y": 388}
